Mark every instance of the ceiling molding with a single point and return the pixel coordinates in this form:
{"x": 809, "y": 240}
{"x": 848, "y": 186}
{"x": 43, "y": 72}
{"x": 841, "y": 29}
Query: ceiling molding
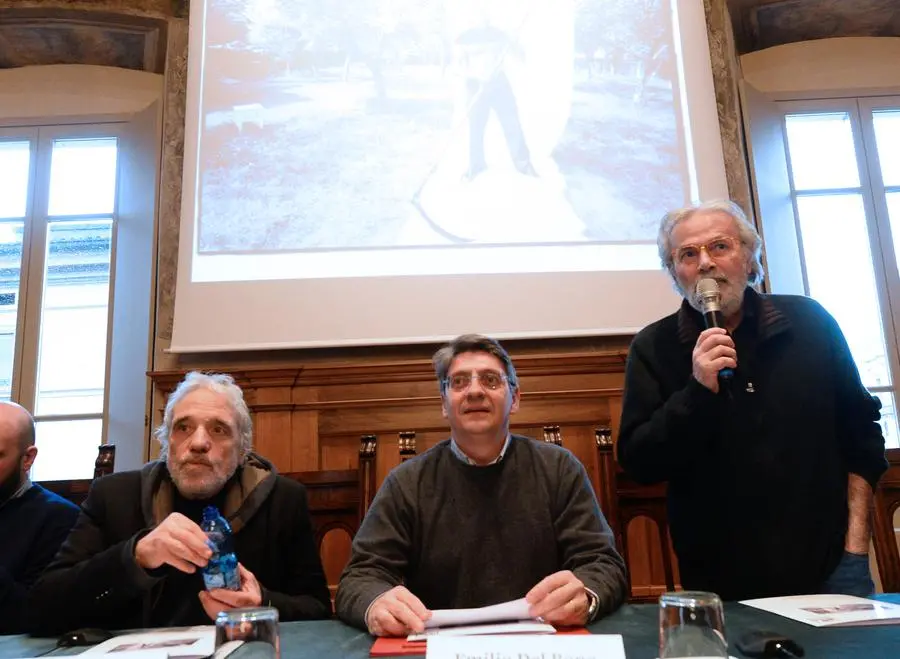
{"x": 760, "y": 24}
{"x": 39, "y": 36}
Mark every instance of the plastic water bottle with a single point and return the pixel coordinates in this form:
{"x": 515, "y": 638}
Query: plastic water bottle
{"x": 222, "y": 569}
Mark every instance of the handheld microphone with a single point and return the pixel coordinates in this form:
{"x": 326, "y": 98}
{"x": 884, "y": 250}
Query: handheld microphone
{"x": 711, "y": 306}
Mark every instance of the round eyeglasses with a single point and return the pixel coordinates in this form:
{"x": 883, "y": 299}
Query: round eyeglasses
{"x": 718, "y": 248}
{"x": 490, "y": 380}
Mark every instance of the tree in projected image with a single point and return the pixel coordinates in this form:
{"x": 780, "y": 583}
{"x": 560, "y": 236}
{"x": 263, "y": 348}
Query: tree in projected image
{"x": 315, "y": 35}
{"x": 618, "y": 32}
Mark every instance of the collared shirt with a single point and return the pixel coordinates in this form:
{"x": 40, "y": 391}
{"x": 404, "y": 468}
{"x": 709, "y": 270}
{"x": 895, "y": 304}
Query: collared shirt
{"x": 458, "y": 452}
{"x": 26, "y": 485}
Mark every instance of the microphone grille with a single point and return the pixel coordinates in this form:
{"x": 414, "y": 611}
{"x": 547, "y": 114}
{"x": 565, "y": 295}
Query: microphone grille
{"x": 708, "y": 294}
{"x": 707, "y": 287}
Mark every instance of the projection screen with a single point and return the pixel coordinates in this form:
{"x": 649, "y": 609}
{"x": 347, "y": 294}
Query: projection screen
{"x": 397, "y": 171}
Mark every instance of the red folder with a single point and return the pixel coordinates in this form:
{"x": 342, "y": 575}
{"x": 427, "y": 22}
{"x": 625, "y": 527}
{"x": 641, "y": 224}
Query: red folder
{"x": 396, "y": 647}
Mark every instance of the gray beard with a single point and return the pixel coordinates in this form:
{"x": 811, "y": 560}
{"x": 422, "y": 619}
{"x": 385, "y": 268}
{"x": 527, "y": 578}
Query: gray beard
{"x": 729, "y": 305}
{"x": 209, "y": 490}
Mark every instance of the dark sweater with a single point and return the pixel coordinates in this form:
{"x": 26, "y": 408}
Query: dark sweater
{"x": 95, "y": 580}
{"x": 177, "y": 592}
{"x": 32, "y": 526}
{"x": 757, "y": 474}
{"x": 459, "y": 535}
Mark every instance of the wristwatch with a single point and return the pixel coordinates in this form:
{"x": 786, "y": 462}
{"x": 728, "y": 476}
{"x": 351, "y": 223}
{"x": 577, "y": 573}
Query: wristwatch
{"x": 593, "y": 603}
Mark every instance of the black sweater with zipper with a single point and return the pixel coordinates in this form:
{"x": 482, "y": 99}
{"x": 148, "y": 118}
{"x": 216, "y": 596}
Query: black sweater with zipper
{"x": 757, "y": 474}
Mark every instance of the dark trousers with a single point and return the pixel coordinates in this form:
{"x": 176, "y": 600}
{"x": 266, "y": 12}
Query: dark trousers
{"x": 851, "y": 577}
{"x": 494, "y": 94}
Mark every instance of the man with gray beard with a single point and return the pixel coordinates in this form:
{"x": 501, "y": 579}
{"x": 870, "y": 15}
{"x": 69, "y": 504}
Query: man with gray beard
{"x": 135, "y": 555}
{"x": 771, "y": 471}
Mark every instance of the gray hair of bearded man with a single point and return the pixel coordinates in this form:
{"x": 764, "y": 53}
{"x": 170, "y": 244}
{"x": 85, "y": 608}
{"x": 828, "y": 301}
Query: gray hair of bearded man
{"x": 751, "y": 242}
{"x": 220, "y": 383}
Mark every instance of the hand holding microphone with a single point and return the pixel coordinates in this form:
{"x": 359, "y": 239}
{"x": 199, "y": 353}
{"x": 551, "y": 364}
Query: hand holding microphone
{"x": 714, "y": 356}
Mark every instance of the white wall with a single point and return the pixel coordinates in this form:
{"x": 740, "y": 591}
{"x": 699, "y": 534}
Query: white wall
{"x": 66, "y": 90}
{"x": 845, "y": 63}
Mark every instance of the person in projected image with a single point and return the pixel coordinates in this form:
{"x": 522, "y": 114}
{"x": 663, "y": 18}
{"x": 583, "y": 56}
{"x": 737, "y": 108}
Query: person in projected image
{"x": 135, "y": 555}
{"x": 33, "y": 521}
{"x": 481, "y": 54}
{"x": 770, "y": 472}
{"x": 482, "y": 517}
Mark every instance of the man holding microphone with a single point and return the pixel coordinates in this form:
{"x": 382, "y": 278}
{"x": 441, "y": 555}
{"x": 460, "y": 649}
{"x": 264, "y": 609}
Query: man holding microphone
{"x": 767, "y": 438}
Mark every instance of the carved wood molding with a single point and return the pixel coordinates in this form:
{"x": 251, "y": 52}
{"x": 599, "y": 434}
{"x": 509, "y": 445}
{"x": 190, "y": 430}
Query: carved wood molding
{"x": 427, "y": 401}
{"x": 314, "y": 375}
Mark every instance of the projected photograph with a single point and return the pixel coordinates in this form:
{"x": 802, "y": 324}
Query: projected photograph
{"x": 362, "y": 124}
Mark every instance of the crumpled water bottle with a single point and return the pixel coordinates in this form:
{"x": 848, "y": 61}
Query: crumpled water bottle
{"x": 222, "y": 569}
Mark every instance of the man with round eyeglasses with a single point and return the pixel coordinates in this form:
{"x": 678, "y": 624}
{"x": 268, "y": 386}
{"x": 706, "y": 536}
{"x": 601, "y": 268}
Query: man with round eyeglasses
{"x": 770, "y": 472}
{"x": 482, "y": 517}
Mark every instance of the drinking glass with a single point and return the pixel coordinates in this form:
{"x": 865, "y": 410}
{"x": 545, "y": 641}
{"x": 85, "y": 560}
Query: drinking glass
{"x": 248, "y": 633}
{"x": 691, "y": 624}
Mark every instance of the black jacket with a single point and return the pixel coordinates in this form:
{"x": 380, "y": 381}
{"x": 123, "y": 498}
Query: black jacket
{"x": 757, "y": 474}
{"x": 94, "y": 581}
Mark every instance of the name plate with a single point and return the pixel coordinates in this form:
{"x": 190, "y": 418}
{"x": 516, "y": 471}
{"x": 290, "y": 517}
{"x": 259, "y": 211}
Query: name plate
{"x": 593, "y": 646}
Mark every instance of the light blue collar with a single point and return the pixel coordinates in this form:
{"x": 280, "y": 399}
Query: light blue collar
{"x": 458, "y": 452}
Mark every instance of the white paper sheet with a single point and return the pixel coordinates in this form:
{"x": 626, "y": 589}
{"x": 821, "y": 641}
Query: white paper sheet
{"x": 830, "y": 610}
{"x": 186, "y": 643}
{"x": 592, "y": 646}
{"x": 507, "y": 611}
{"x": 521, "y": 627}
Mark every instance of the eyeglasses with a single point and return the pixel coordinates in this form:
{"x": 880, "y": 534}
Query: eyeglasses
{"x": 490, "y": 380}
{"x": 718, "y": 248}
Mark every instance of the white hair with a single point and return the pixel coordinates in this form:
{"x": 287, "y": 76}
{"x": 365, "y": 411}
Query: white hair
{"x": 219, "y": 383}
{"x": 750, "y": 239}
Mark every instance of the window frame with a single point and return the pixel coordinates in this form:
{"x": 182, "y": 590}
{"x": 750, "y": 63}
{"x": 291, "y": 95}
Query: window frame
{"x": 884, "y": 264}
{"x": 26, "y": 380}
{"x": 130, "y": 330}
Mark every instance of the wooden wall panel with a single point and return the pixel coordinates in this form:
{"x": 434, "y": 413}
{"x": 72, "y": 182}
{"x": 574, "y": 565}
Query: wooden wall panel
{"x": 335, "y": 552}
{"x": 340, "y": 452}
{"x": 271, "y": 428}
{"x": 304, "y": 437}
{"x": 387, "y": 456}
{"x": 580, "y": 440}
{"x": 644, "y": 559}
{"x": 309, "y": 416}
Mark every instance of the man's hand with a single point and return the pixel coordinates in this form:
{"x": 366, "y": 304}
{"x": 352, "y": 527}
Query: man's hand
{"x": 560, "y": 599}
{"x": 713, "y": 352}
{"x": 178, "y": 542}
{"x": 397, "y": 613}
{"x": 222, "y": 599}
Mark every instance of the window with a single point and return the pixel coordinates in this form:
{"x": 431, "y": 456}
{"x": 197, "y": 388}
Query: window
{"x": 844, "y": 184}
{"x": 58, "y": 225}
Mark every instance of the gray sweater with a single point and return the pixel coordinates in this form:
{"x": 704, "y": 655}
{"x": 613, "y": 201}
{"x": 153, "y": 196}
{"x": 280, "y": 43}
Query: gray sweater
{"x": 458, "y": 535}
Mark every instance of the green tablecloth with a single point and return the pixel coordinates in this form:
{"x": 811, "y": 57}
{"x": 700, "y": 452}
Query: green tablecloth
{"x": 638, "y": 624}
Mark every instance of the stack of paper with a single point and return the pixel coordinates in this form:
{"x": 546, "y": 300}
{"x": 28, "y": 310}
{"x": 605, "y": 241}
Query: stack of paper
{"x": 508, "y": 618}
{"x": 480, "y": 621}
